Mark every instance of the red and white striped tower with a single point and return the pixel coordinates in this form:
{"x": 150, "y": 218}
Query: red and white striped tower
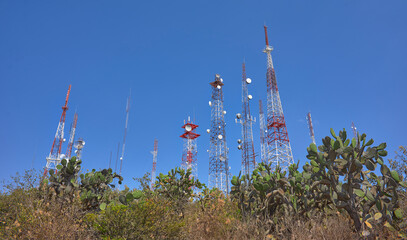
{"x": 263, "y": 132}
{"x": 310, "y": 127}
{"x": 189, "y": 153}
{"x": 55, "y": 156}
{"x": 279, "y": 148}
{"x": 246, "y": 120}
{"x": 71, "y": 136}
{"x": 154, "y": 152}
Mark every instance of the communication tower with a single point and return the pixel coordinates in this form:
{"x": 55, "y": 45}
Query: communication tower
{"x": 71, "y": 136}
{"x": 279, "y": 148}
{"x": 79, "y": 147}
{"x": 355, "y": 134}
{"x": 246, "y": 120}
{"x": 189, "y": 153}
{"x": 218, "y": 150}
{"x": 55, "y": 156}
{"x": 263, "y": 132}
{"x": 154, "y": 152}
{"x": 310, "y": 127}
{"x": 125, "y": 133}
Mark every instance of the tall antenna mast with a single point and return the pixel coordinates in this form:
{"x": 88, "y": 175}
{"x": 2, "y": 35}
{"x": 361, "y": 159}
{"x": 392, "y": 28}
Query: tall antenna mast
{"x": 354, "y": 130}
{"x": 190, "y": 149}
{"x": 263, "y": 132}
{"x": 154, "y": 152}
{"x": 310, "y": 127}
{"x": 55, "y": 156}
{"x": 246, "y": 120}
{"x": 279, "y": 148}
{"x": 218, "y": 150}
{"x": 125, "y": 133}
{"x": 71, "y": 136}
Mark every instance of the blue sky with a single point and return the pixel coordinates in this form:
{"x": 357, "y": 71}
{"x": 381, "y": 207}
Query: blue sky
{"x": 342, "y": 60}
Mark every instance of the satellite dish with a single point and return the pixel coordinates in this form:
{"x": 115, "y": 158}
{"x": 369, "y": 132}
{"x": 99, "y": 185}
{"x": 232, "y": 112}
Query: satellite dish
{"x": 121, "y": 158}
{"x": 219, "y": 127}
{"x": 218, "y": 87}
{"x": 220, "y": 137}
{"x": 238, "y": 116}
{"x": 221, "y": 80}
{"x": 239, "y": 141}
{"x": 208, "y": 130}
{"x": 248, "y": 80}
{"x": 64, "y": 140}
{"x": 249, "y": 97}
{"x": 239, "y": 147}
{"x": 62, "y": 156}
{"x": 265, "y": 130}
{"x": 224, "y": 112}
{"x": 210, "y": 103}
{"x": 188, "y": 128}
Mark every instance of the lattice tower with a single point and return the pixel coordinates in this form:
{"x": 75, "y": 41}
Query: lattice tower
{"x": 71, "y": 136}
{"x": 125, "y": 134}
{"x": 310, "y": 127}
{"x": 246, "y": 120}
{"x": 55, "y": 156}
{"x": 218, "y": 150}
{"x": 263, "y": 132}
{"x": 154, "y": 152}
{"x": 279, "y": 148}
{"x": 190, "y": 149}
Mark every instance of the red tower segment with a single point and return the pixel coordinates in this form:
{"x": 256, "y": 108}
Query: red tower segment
{"x": 189, "y": 154}
{"x": 279, "y": 148}
{"x": 55, "y": 156}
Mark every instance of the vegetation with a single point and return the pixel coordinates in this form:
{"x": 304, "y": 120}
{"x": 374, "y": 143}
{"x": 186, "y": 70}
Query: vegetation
{"x": 345, "y": 191}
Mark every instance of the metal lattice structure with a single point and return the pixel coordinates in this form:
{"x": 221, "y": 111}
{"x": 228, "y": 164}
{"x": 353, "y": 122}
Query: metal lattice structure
{"x": 71, "y": 136}
{"x": 190, "y": 149}
{"x": 55, "y": 156}
{"x": 355, "y": 134}
{"x": 310, "y": 127}
{"x": 218, "y": 150}
{"x": 279, "y": 148}
{"x": 263, "y": 132}
{"x": 246, "y": 120}
{"x": 125, "y": 134}
{"x": 79, "y": 147}
{"x": 154, "y": 152}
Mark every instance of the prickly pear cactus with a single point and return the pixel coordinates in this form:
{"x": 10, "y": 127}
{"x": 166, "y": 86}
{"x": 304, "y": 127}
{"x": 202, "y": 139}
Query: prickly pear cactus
{"x": 64, "y": 180}
{"x": 347, "y": 169}
{"x": 95, "y": 184}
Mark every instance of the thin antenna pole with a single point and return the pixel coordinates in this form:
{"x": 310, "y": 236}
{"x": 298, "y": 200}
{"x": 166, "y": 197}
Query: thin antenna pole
{"x": 117, "y": 159}
{"x": 110, "y": 161}
{"x": 125, "y": 132}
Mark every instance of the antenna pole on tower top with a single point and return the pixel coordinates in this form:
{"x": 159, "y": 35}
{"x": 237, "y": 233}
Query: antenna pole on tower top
{"x": 265, "y": 32}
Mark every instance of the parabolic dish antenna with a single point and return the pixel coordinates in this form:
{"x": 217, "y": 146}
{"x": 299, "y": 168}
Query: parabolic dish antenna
{"x": 220, "y": 137}
{"x": 248, "y": 80}
{"x": 249, "y": 97}
{"x": 188, "y": 128}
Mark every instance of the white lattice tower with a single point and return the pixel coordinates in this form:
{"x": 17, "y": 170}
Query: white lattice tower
{"x": 246, "y": 120}
{"x": 153, "y": 171}
{"x": 263, "y": 132}
{"x": 279, "y": 148}
{"x": 310, "y": 127}
{"x": 218, "y": 150}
